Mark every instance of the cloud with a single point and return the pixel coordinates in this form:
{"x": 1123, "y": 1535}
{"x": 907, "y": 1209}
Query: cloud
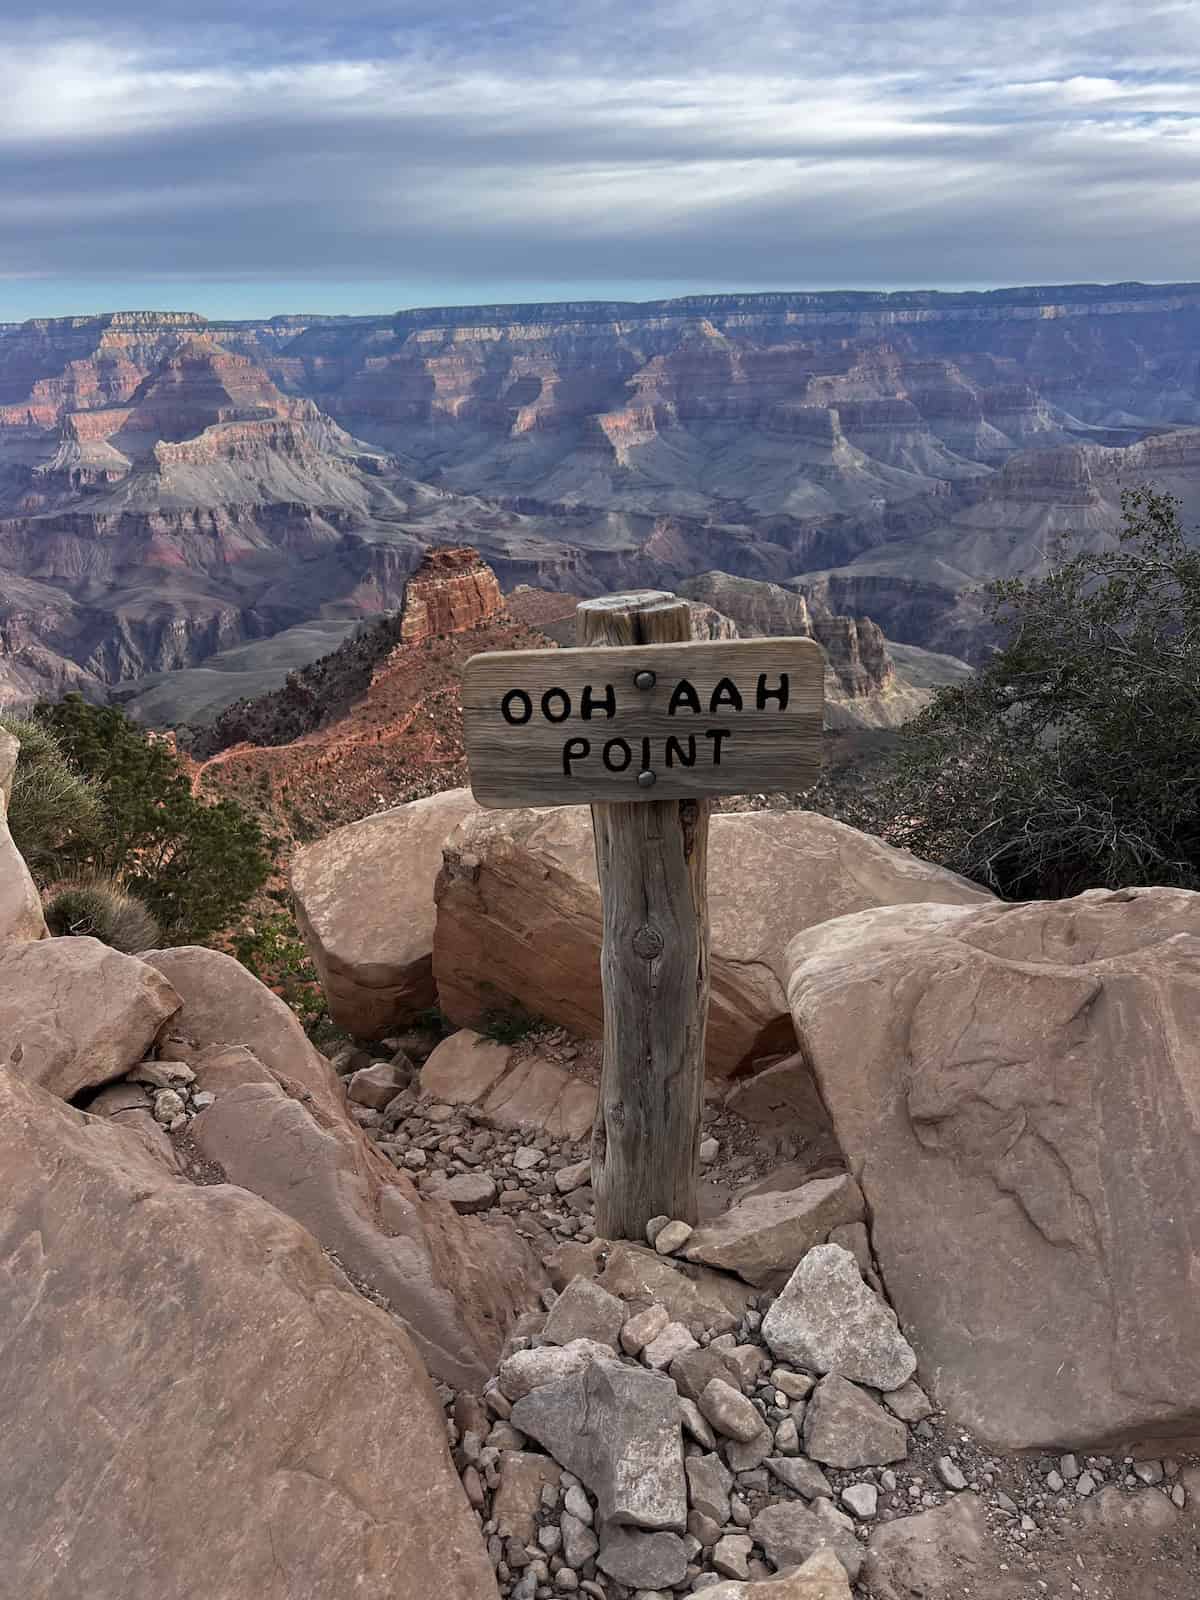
{"x": 888, "y": 141}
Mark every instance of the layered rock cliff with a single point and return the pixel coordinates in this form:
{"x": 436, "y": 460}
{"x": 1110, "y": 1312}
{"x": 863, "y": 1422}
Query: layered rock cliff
{"x": 170, "y": 487}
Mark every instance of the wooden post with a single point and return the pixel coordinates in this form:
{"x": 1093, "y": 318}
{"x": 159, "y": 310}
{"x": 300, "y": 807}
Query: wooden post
{"x": 651, "y": 857}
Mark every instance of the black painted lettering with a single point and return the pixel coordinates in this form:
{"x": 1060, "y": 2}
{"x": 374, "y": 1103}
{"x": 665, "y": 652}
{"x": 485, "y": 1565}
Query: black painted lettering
{"x": 686, "y": 758}
{"x": 683, "y": 694}
{"x": 764, "y": 694}
{"x": 575, "y": 750}
{"x": 563, "y": 701}
{"x": 516, "y": 700}
{"x": 716, "y": 735}
{"x": 607, "y": 755}
{"x": 726, "y": 693}
{"x": 590, "y": 703}
{"x": 645, "y": 766}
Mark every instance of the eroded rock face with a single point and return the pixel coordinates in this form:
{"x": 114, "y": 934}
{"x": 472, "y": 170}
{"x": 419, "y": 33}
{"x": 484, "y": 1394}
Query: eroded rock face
{"x": 279, "y": 1127}
{"x": 508, "y": 871}
{"x": 20, "y": 904}
{"x": 152, "y": 1328}
{"x": 1015, "y": 1086}
{"x": 75, "y": 1014}
{"x": 364, "y": 904}
{"x": 452, "y": 590}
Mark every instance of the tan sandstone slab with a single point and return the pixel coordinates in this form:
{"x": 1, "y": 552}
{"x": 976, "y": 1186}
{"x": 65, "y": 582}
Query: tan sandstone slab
{"x": 194, "y": 1401}
{"x": 1016, "y": 1089}
{"x": 509, "y": 1090}
{"x": 519, "y": 915}
{"x": 822, "y": 1577}
{"x": 279, "y": 1127}
{"x": 364, "y": 904}
{"x": 20, "y": 904}
{"x": 763, "y": 1237}
{"x": 75, "y": 1014}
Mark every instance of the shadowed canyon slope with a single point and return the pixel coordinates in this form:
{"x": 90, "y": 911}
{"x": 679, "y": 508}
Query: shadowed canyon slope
{"x": 172, "y": 489}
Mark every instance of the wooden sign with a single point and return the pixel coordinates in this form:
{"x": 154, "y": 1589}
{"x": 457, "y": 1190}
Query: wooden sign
{"x": 643, "y": 722}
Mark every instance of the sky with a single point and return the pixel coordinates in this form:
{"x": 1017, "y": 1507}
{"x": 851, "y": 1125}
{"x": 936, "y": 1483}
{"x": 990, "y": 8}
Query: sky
{"x": 288, "y": 155}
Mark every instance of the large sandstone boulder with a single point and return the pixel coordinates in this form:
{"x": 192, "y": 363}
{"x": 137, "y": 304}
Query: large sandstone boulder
{"x": 364, "y": 903}
{"x": 1016, "y": 1090}
{"x": 194, "y": 1401}
{"x": 75, "y": 1014}
{"x": 518, "y": 920}
{"x": 279, "y": 1128}
{"x": 20, "y": 904}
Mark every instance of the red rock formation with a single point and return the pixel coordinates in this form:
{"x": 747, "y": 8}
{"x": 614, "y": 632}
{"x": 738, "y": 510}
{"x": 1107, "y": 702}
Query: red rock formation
{"x": 452, "y": 590}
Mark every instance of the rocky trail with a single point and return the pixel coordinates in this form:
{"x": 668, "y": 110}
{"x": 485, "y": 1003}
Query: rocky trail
{"x": 778, "y": 1464}
{"x": 277, "y": 1325}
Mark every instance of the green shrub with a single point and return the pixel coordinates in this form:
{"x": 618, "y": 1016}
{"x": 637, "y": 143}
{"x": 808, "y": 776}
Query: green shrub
{"x": 55, "y": 812}
{"x": 102, "y": 910}
{"x": 194, "y": 865}
{"x": 1072, "y": 759}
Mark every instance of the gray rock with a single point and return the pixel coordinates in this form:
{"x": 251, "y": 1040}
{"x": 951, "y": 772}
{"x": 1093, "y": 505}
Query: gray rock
{"x": 710, "y": 1149}
{"x": 568, "y": 1179}
{"x": 654, "y": 1227}
{"x": 674, "y": 1340}
{"x": 1148, "y": 1471}
{"x": 791, "y": 1532}
{"x": 762, "y": 1237}
{"x": 709, "y": 1482}
{"x": 673, "y": 1237}
{"x": 373, "y": 1086}
{"x": 642, "y": 1327}
{"x": 167, "y": 1106}
{"x": 828, "y": 1319}
{"x": 1054, "y": 1482}
{"x": 526, "y": 1370}
{"x": 862, "y": 1499}
{"x": 527, "y": 1158}
{"x": 579, "y": 1542}
{"x": 1068, "y": 1466}
{"x": 951, "y": 1474}
{"x": 578, "y": 1505}
{"x": 844, "y": 1427}
{"x": 909, "y": 1402}
{"x": 584, "y": 1311}
{"x": 787, "y": 1437}
{"x": 802, "y": 1475}
{"x": 731, "y": 1555}
{"x": 643, "y": 1560}
{"x": 617, "y": 1429}
{"x": 729, "y": 1411}
{"x": 695, "y": 1425}
{"x": 162, "y": 1074}
{"x": 796, "y": 1385}
{"x": 745, "y": 1457}
{"x": 704, "y": 1529}
{"x": 749, "y": 1362}
{"x": 1085, "y": 1485}
{"x": 467, "y": 1192}
{"x": 695, "y": 1369}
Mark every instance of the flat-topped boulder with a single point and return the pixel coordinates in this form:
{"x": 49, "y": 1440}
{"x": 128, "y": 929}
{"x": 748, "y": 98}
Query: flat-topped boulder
{"x": 1015, "y": 1088}
{"x": 364, "y": 905}
{"x": 75, "y": 1014}
{"x": 518, "y": 918}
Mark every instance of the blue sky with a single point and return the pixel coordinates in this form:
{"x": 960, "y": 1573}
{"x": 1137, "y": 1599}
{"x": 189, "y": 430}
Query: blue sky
{"x": 240, "y": 160}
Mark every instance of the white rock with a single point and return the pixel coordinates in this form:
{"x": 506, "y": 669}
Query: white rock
{"x": 828, "y": 1319}
{"x": 674, "y": 1340}
{"x": 673, "y": 1237}
{"x": 862, "y": 1499}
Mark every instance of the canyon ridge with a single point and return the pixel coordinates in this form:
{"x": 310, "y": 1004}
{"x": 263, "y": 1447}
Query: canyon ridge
{"x": 189, "y": 510}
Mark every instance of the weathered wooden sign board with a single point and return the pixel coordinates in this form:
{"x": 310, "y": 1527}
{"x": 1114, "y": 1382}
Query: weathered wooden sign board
{"x": 642, "y": 713}
{"x": 643, "y": 722}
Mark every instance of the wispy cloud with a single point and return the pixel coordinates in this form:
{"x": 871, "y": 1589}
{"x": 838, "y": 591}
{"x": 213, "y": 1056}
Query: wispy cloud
{"x": 889, "y": 141}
